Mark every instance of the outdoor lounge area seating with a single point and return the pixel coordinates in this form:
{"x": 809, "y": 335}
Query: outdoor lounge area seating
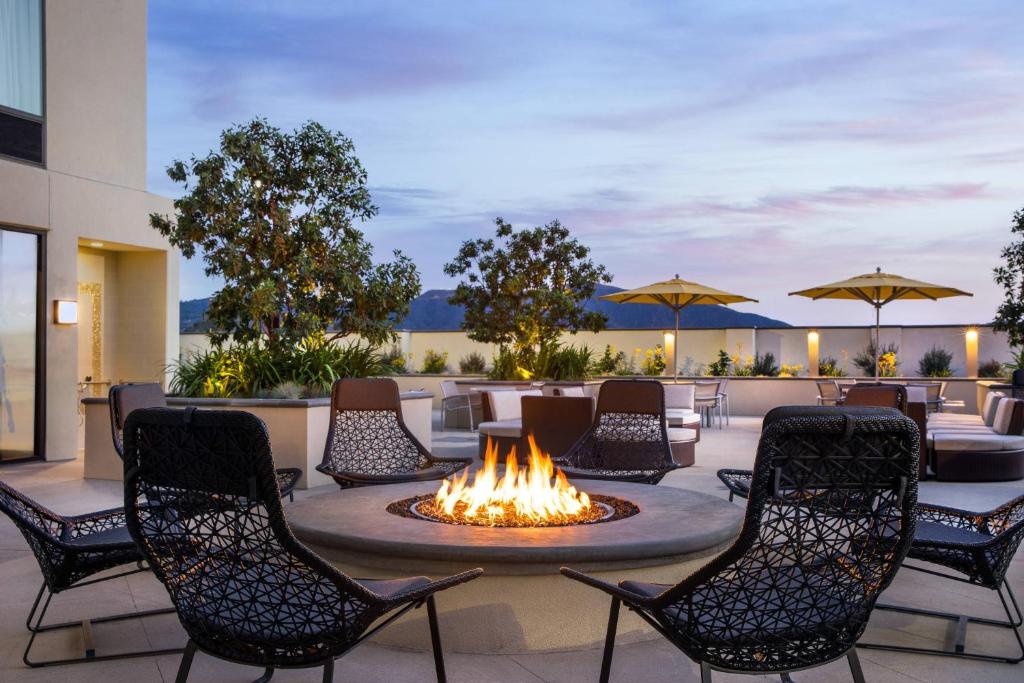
{"x": 753, "y": 609}
{"x": 368, "y": 443}
{"x": 75, "y": 552}
{"x": 628, "y": 440}
{"x": 979, "y": 547}
{"x": 124, "y": 398}
{"x": 204, "y": 508}
{"x": 503, "y": 419}
{"x": 985, "y": 447}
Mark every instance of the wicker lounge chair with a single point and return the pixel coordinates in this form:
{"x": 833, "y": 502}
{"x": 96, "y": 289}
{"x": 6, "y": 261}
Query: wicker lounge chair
{"x": 827, "y": 525}
{"x": 71, "y": 551}
{"x": 203, "y": 506}
{"x": 124, "y": 398}
{"x": 368, "y": 443}
{"x": 978, "y": 546}
{"x": 628, "y": 440}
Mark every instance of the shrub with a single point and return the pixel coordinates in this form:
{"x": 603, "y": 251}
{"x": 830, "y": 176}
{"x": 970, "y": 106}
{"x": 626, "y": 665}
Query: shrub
{"x": 506, "y": 366}
{"x": 559, "y": 362}
{"x": 473, "y": 363}
{"x": 253, "y": 369}
{"x": 764, "y": 366}
{"x": 991, "y": 369}
{"x": 720, "y": 368}
{"x": 829, "y": 367}
{"x": 935, "y": 362}
{"x": 790, "y": 370}
{"x": 393, "y": 361}
{"x": 653, "y": 362}
{"x": 435, "y": 362}
{"x": 610, "y": 362}
{"x": 888, "y": 362}
{"x": 288, "y": 390}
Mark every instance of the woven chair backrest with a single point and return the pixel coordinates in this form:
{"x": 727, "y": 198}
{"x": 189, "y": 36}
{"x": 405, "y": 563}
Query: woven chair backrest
{"x": 123, "y": 399}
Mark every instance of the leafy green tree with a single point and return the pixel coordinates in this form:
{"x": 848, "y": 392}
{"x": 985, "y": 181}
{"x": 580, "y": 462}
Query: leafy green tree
{"x": 1010, "y": 276}
{"x": 523, "y": 288}
{"x": 274, "y": 215}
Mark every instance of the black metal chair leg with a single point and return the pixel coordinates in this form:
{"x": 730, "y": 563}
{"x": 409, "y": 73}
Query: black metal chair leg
{"x": 186, "y": 663}
{"x": 705, "y": 672}
{"x": 435, "y": 640}
{"x": 609, "y": 640}
{"x": 329, "y": 671}
{"x": 854, "y": 661}
{"x": 785, "y": 677}
{"x": 268, "y": 673}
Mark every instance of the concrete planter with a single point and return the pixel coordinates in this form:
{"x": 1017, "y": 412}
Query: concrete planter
{"x": 298, "y": 430}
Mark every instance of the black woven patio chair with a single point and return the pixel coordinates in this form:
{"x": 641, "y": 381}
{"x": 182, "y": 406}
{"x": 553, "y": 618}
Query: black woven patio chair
{"x": 69, "y": 551}
{"x": 124, "y": 398}
{"x": 202, "y": 503}
{"x": 737, "y": 481}
{"x": 628, "y": 440}
{"x": 828, "y": 522}
{"x": 368, "y": 443}
{"x": 980, "y": 547}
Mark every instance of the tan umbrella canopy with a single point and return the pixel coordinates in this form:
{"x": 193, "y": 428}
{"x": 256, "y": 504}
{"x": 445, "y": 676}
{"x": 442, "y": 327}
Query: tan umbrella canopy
{"x": 878, "y": 289}
{"x": 676, "y": 294}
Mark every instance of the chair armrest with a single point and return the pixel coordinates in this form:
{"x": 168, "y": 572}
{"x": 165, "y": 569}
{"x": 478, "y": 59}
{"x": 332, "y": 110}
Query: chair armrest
{"x": 94, "y": 522}
{"x": 609, "y": 588}
{"x": 425, "y": 591}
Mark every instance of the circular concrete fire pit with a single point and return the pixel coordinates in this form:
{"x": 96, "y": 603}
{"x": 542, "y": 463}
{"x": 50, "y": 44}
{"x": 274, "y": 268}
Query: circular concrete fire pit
{"x": 522, "y": 603}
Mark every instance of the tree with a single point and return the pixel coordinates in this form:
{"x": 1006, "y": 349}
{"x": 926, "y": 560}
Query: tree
{"x": 273, "y": 214}
{"x": 524, "y": 288}
{"x": 1010, "y": 275}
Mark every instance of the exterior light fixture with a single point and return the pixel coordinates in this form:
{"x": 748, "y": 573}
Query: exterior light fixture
{"x": 971, "y": 352}
{"x": 65, "y": 312}
{"x": 96, "y": 244}
{"x": 972, "y": 335}
{"x": 812, "y": 352}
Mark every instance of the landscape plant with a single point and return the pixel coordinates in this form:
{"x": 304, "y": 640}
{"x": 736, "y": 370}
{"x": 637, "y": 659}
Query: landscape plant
{"x": 764, "y": 365}
{"x": 253, "y": 369}
{"x": 888, "y": 361}
{"x": 521, "y": 289}
{"x": 273, "y": 215}
{"x": 394, "y": 361}
{"x": 435, "y": 362}
{"x": 829, "y": 367}
{"x": 653, "y": 362}
{"x": 790, "y": 370}
{"x": 610, "y": 362}
{"x": 936, "y": 362}
{"x": 991, "y": 369}
{"x": 720, "y": 368}
{"x": 473, "y": 363}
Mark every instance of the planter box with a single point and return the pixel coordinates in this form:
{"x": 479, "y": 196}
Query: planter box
{"x": 298, "y": 430}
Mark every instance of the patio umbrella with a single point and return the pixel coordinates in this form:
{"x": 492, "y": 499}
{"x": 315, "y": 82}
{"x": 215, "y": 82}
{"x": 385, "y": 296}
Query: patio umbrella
{"x": 676, "y": 294}
{"x": 878, "y": 289}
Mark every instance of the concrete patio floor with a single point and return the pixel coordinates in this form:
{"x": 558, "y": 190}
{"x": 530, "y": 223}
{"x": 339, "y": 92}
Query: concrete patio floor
{"x": 61, "y": 486}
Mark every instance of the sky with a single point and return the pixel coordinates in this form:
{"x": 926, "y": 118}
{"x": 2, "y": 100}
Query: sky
{"x": 757, "y": 147}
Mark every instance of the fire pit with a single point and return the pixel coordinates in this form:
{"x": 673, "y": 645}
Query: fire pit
{"x": 521, "y": 604}
{"x": 537, "y": 495}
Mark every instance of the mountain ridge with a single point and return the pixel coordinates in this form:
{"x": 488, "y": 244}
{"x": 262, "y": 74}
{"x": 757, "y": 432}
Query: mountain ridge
{"x": 430, "y": 311}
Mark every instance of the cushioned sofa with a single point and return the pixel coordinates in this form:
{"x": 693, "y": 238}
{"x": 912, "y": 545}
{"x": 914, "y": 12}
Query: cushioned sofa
{"x": 985, "y": 447}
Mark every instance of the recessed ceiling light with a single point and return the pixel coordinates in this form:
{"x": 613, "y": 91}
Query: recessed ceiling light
{"x": 95, "y": 244}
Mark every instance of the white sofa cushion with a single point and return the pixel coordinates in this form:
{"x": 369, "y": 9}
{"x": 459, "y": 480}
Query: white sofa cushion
{"x": 680, "y": 396}
{"x": 508, "y": 405}
{"x": 955, "y": 419}
{"x": 916, "y": 394}
{"x": 682, "y": 416}
{"x": 505, "y": 428}
{"x": 571, "y": 391}
{"x": 676, "y": 434}
{"x": 977, "y": 442}
{"x": 989, "y": 407}
{"x": 1004, "y": 413}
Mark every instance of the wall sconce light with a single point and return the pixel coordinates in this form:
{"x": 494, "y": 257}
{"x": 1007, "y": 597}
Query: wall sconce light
{"x": 65, "y": 312}
{"x": 812, "y": 336}
{"x": 972, "y": 335}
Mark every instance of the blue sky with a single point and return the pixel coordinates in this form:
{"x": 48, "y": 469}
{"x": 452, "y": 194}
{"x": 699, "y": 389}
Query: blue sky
{"x": 758, "y": 147}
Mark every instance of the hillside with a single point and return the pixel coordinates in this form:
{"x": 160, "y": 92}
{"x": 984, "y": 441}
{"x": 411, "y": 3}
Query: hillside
{"x": 431, "y": 311}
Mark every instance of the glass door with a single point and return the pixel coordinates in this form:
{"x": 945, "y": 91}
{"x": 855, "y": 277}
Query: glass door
{"x": 19, "y": 343}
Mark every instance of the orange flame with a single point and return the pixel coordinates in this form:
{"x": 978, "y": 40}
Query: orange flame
{"x": 524, "y": 496}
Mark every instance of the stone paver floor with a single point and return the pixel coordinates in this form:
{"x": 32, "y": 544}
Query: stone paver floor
{"x": 61, "y": 486}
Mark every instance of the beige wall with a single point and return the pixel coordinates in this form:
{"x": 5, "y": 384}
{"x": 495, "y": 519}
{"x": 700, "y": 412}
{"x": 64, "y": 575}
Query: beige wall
{"x": 93, "y": 189}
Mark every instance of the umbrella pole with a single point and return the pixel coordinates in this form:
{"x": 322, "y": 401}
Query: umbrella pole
{"x": 878, "y": 341}
{"x": 675, "y": 351}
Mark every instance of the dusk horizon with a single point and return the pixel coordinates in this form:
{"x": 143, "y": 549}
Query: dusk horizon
{"x": 756, "y": 150}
